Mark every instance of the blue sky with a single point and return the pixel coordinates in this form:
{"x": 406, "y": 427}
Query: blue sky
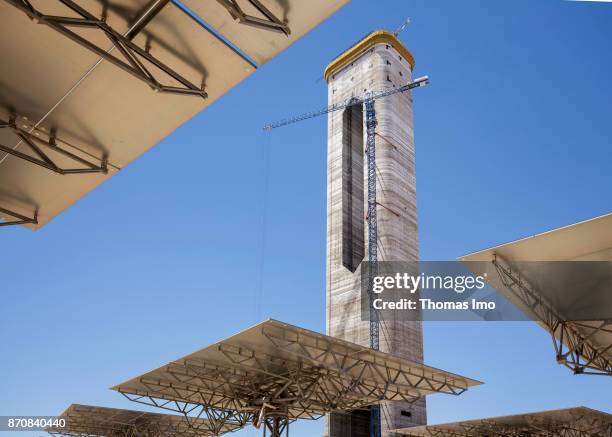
{"x": 513, "y": 138}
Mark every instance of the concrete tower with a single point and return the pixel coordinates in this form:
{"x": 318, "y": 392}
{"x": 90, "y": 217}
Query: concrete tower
{"x": 377, "y": 62}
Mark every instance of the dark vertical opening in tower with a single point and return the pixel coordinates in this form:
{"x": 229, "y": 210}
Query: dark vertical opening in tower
{"x": 353, "y": 244}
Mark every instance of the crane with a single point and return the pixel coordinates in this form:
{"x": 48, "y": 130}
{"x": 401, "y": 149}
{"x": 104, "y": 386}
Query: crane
{"x": 421, "y": 81}
{"x": 367, "y": 101}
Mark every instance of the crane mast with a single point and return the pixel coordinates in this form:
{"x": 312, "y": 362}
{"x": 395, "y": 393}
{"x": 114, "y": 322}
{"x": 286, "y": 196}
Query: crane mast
{"x": 372, "y": 244}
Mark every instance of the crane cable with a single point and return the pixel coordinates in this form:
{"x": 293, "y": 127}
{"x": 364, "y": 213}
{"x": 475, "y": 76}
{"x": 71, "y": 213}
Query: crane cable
{"x": 264, "y": 192}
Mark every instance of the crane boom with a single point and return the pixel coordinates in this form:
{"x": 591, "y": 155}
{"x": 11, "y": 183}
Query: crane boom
{"x": 421, "y": 81}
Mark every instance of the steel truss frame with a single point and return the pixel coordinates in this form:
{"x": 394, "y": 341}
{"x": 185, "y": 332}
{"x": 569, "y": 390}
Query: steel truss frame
{"x": 124, "y": 423}
{"x": 571, "y": 422}
{"x": 36, "y": 144}
{"x": 136, "y": 58}
{"x": 571, "y": 339}
{"x": 252, "y": 385}
{"x": 536, "y": 428}
{"x": 221, "y": 417}
{"x": 138, "y": 429}
{"x": 504, "y": 431}
{"x": 272, "y": 22}
{"x": 19, "y": 219}
{"x": 578, "y": 425}
{"x": 276, "y": 425}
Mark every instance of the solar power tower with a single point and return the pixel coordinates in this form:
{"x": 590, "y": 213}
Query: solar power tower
{"x": 377, "y": 62}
